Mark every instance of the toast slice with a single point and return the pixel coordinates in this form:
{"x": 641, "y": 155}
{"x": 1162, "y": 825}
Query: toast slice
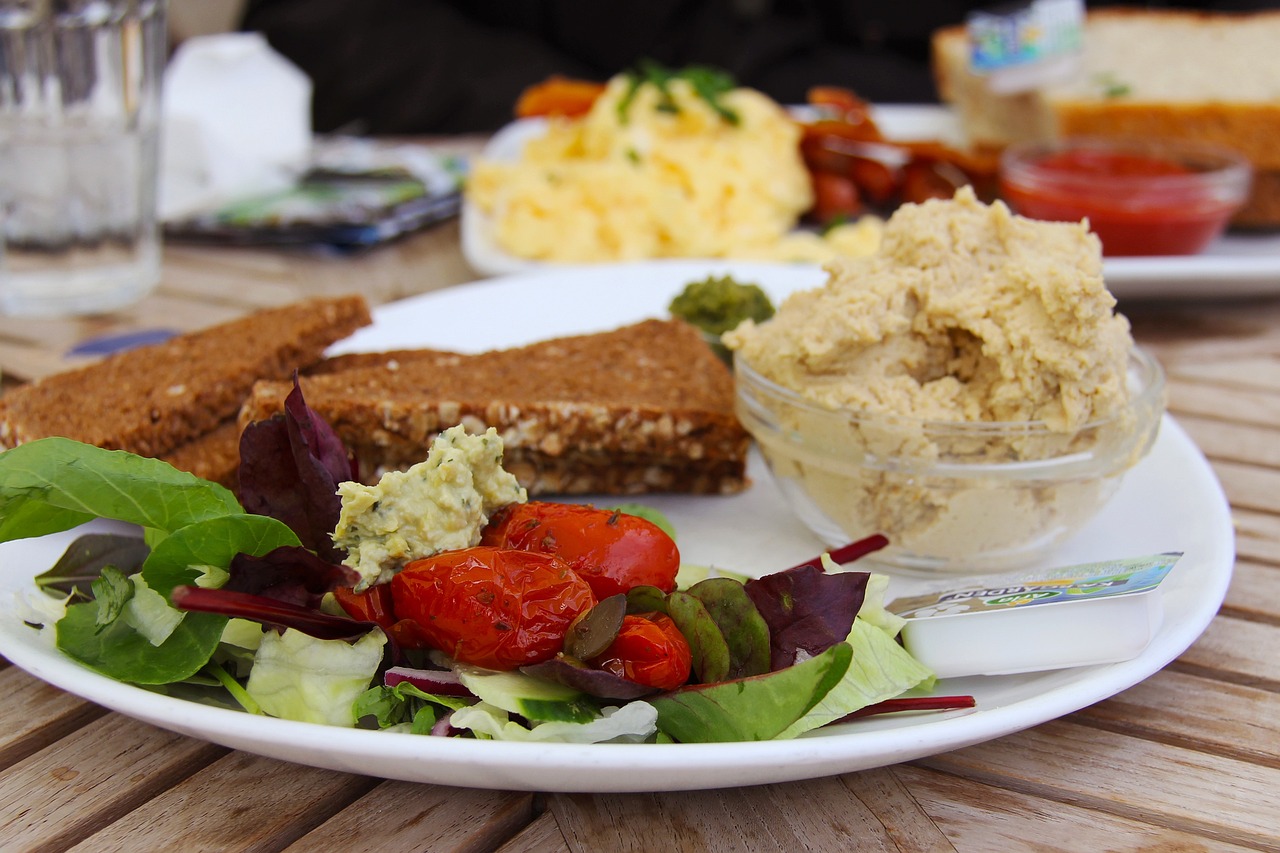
{"x": 154, "y": 400}
{"x": 644, "y": 408}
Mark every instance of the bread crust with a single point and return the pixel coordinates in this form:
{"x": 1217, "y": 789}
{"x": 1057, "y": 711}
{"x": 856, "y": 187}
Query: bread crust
{"x": 154, "y": 399}
{"x": 647, "y": 407}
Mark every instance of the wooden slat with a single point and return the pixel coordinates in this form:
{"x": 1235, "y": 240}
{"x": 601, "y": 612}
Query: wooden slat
{"x": 1197, "y": 713}
{"x": 91, "y": 778}
{"x": 978, "y": 817}
{"x": 1236, "y": 650}
{"x": 239, "y": 804}
{"x": 1139, "y": 780}
{"x": 1223, "y": 402}
{"x": 404, "y": 816}
{"x": 541, "y": 836}
{"x": 34, "y": 715}
{"x": 1254, "y": 593}
{"x": 1235, "y": 442}
{"x": 818, "y": 815}
{"x": 1257, "y": 535}
{"x": 1250, "y": 487}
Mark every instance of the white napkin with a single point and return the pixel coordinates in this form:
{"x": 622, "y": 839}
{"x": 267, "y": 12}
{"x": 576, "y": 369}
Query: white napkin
{"x": 236, "y": 121}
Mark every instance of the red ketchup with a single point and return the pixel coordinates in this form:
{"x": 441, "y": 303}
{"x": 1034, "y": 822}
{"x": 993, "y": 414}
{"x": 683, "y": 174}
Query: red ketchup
{"x": 1137, "y": 204}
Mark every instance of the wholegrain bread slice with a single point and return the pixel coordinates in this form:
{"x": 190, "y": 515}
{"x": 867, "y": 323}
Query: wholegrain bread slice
{"x": 154, "y": 400}
{"x": 1160, "y": 74}
{"x": 644, "y": 408}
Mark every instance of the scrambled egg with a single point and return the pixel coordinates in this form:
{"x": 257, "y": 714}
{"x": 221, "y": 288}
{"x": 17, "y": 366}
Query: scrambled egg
{"x": 437, "y": 505}
{"x": 646, "y": 182}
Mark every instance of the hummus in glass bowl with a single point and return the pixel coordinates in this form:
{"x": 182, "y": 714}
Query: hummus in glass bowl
{"x": 969, "y": 390}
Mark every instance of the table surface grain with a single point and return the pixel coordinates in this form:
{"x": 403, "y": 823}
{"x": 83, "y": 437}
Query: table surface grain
{"x": 1187, "y": 760}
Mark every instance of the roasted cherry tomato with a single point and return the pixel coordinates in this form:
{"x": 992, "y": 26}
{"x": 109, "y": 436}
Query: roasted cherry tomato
{"x": 611, "y": 550}
{"x": 650, "y": 650}
{"x": 492, "y": 607}
{"x": 375, "y": 604}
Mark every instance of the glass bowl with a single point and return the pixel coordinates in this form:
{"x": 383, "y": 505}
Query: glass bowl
{"x": 952, "y": 498}
{"x": 1141, "y": 197}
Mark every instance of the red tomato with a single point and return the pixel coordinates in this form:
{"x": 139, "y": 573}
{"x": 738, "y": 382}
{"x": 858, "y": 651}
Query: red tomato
{"x": 612, "y": 551}
{"x": 375, "y": 605}
{"x": 491, "y": 607}
{"x": 650, "y": 650}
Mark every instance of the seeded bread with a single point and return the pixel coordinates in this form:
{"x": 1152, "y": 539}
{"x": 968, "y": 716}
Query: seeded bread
{"x": 1213, "y": 77}
{"x": 644, "y": 408}
{"x": 157, "y": 400}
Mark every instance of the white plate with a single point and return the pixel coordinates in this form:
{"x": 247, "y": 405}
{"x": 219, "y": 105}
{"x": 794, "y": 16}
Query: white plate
{"x": 1235, "y": 265}
{"x": 1171, "y": 501}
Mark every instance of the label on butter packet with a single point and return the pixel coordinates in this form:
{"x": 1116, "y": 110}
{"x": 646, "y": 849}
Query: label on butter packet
{"x": 1085, "y": 582}
{"x": 1028, "y": 46}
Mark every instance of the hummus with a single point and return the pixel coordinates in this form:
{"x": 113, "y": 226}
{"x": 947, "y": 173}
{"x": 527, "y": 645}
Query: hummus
{"x": 437, "y": 505}
{"x": 966, "y": 315}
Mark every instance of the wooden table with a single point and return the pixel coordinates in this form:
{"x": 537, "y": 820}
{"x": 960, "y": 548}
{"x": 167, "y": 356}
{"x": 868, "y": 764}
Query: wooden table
{"x": 1187, "y": 760}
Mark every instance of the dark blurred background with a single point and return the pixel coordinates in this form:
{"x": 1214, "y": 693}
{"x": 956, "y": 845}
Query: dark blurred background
{"x": 457, "y": 66}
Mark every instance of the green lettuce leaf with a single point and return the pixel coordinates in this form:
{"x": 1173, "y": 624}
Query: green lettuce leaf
{"x": 297, "y": 677}
{"x": 762, "y": 707}
{"x": 880, "y": 669}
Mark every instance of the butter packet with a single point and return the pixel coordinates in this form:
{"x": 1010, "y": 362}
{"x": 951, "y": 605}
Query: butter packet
{"x": 1079, "y": 615}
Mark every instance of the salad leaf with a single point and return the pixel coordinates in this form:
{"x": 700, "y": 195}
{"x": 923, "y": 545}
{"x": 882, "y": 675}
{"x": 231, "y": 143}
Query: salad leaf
{"x": 761, "y": 707}
{"x": 290, "y": 467}
{"x": 806, "y": 609}
{"x": 288, "y": 573}
{"x": 181, "y": 557}
{"x": 880, "y": 669}
{"x": 87, "y": 556}
{"x": 594, "y": 682}
{"x": 633, "y": 722}
{"x": 297, "y": 677}
{"x": 707, "y": 644}
{"x": 55, "y": 484}
{"x": 112, "y": 590}
{"x": 404, "y": 705}
{"x": 117, "y": 650}
{"x": 745, "y": 632}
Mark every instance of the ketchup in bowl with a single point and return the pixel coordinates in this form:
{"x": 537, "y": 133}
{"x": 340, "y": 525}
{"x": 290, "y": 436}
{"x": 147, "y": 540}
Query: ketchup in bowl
{"x": 1140, "y": 197}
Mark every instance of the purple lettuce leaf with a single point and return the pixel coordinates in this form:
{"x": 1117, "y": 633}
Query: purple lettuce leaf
{"x": 269, "y": 611}
{"x": 806, "y": 608}
{"x": 290, "y": 467}
{"x": 290, "y": 574}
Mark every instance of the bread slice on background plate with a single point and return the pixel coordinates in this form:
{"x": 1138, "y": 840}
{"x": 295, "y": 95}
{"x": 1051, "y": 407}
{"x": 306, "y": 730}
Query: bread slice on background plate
{"x": 179, "y": 399}
{"x": 1161, "y": 74}
{"x": 644, "y": 408}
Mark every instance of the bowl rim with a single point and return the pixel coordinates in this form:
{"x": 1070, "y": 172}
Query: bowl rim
{"x": 1233, "y": 170}
{"x": 1150, "y": 393}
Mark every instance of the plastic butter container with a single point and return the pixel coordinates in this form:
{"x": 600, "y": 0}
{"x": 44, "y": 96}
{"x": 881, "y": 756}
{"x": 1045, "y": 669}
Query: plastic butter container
{"x": 1075, "y": 616}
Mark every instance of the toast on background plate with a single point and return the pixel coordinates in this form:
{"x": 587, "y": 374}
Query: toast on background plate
{"x": 1208, "y": 77}
{"x": 644, "y": 408}
{"x": 179, "y": 399}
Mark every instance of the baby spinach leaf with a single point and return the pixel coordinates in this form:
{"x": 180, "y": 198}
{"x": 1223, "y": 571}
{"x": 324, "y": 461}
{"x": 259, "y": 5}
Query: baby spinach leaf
{"x": 179, "y": 559}
{"x": 118, "y": 651}
{"x": 757, "y": 708}
{"x": 54, "y": 484}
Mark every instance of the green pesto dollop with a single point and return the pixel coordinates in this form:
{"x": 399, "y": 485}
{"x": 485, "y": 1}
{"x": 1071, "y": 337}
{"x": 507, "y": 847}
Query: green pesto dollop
{"x": 718, "y": 304}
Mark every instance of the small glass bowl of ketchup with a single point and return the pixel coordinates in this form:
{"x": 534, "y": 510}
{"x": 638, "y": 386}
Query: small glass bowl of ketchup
{"x": 1141, "y": 197}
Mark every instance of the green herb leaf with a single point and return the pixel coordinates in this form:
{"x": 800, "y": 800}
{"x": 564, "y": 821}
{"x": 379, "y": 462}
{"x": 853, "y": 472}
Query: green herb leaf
{"x": 180, "y": 559}
{"x": 120, "y": 652}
